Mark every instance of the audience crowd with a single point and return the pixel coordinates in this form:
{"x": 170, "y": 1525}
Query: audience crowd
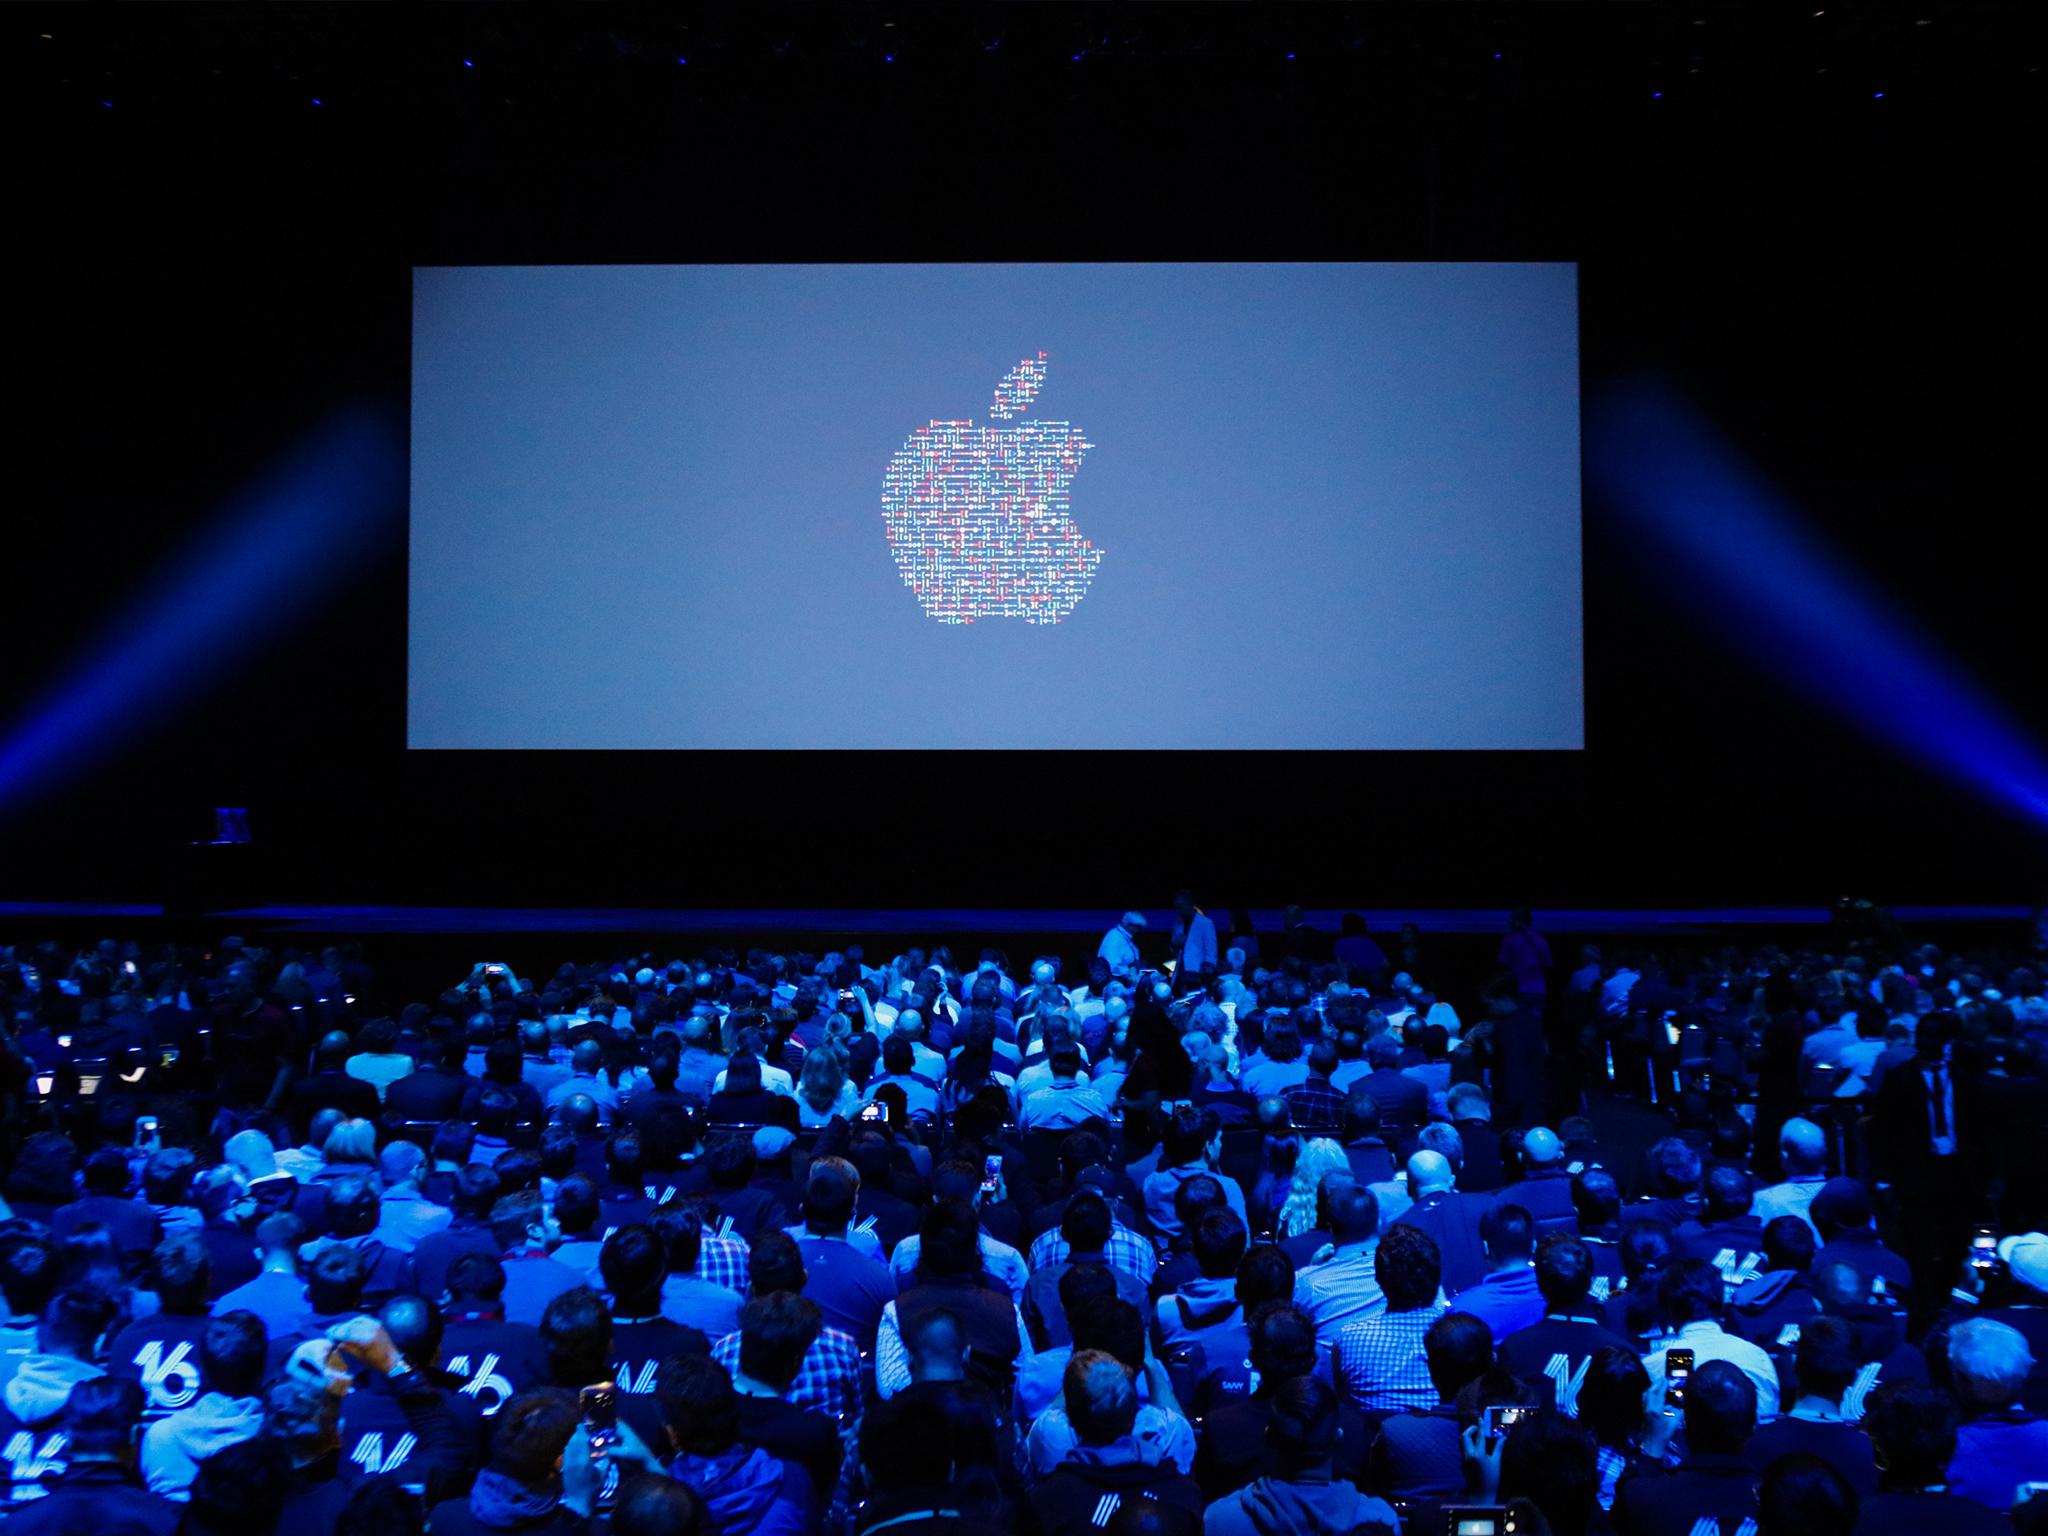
{"x": 1208, "y": 1231}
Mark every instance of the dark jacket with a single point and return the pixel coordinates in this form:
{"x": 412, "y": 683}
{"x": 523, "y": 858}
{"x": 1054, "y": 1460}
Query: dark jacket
{"x": 1081, "y": 1495}
{"x": 1654, "y": 1502}
{"x": 96, "y": 1497}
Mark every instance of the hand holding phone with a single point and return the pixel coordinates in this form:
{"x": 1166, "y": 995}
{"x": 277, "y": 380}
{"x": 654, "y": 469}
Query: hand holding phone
{"x": 1677, "y": 1368}
{"x": 874, "y": 1114}
{"x": 991, "y": 1176}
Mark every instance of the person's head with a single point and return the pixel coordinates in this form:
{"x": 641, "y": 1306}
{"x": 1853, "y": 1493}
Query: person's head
{"x": 681, "y": 1227}
{"x": 1912, "y": 1429}
{"x": 1788, "y": 1244}
{"x": 1087, "y": 1221}
{"x": 1843, "y": 1205}
{"x": 1102, "y": 1399}
{"x": 1195, "y": 1196}
{"x": 1674, "y": 1168}
{"x": 1728, "y": 1193}
{"x": 1553, "y": 1462}
{"x": 1361, "y": 1114}
{"x": 182, "y": 1273}
{"x": 576, "y": 1206}
{"x": 1720, "y": 1409}
{"x": 28, "y": 1274}
{"x": 1409, "y": 1267}
{"x": 1689, "y": 1291}
{"x": 1596, "y": 1198}
{"x": 624, "y": 1159}
{"x": 651, "y": 1504}
{"x": 1802, "y": 1147}
{"x": 1283, "y": 1341}
{"x": 1468, "y": 1102}
{"x": 949, "y": 1240}
{"x": 1112, "y": 1325}
{"x": 1826, "y": 1358}
{"x": 519, "y": 1221}
{"x": 1611, "y": 1396}
{"x": 1354, "y": 1213}
{"x": 353, "y": 1205}
{"x": 1564, "y": 1273}
{"x": 1264, "y": 1274}
{"x": 634, "y": 1263}
{"x": 383, "y": 1506}
{"x": 476, "y": 1192}
{"x": 775, "y": 1264}
{"x": 1459, "y": 1349}
{"x": 1219, "y": 1244}
{"x": 1802, "y": 1495}
{"x": 351, "y": 1143}
{"x": 1189, "y": 1135}
{"x": 401, "y": 1163}
{"x": 829, "y": 1197}
{"x": 231, "y": 1354}
{"x": 1509, "y": 1233}
{"x": 1430, "y": 1173}
{"x": 476, "y": 1280}
{"x": 699, "y": 1409}
{"x": 239, "y": 1490}
{"x": 530, "y": 1433}
{"x": 1302, "y": 1432}
{"x": 101, "y": 1418}
{"x": 454, "y": 1140}
{"x": 775, "y": 1332}
{"x": 576, "y": 1331}
{"x": 1445, "y": 1141}
{"x": 414, "y": 1324}
{"x": 335, "y": 1279}
{"x": 1988, "y": 1361}
{"x": 936, "y": 1342}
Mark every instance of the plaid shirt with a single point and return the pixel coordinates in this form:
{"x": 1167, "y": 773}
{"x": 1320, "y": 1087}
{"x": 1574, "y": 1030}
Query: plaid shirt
{"x": 828, "y": 1380}
{"x": 1379, "y": 1362}
{"x": 1315, "y": 1105}
{"x": 1125, "y": 1250}
{"x": 723, "y": 1261}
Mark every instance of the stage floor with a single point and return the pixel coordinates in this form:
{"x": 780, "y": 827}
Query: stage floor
{"x": 851, "y": 922}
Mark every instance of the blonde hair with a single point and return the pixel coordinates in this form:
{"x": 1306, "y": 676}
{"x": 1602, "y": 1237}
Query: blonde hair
{"x": 1318, "y": 1158}
{"x": 824, "y": 1078}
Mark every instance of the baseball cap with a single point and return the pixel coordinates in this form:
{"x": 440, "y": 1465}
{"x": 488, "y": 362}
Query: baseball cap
{"x": 2026, "y": 1259}
{"x": 1134, "y": 920}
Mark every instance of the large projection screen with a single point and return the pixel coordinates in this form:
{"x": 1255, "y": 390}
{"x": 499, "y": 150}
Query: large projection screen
{"x": 1282, "y": 506}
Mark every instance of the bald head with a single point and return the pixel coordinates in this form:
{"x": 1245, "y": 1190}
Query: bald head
{"x": 334, "y": 1050}
{"x": 1803, "y": 1146}
{"x": 1428, "y": 1173}
{"x": 578, "y": 1112}
{"x": 1541, "y": 1149}
{"x": 587, "y": 1058}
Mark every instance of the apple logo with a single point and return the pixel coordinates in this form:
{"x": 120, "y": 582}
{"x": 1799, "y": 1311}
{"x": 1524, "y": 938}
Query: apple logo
{"x": 976, "y": 517}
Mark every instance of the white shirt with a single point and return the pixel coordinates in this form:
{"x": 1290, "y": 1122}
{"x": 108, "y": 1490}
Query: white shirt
{"x": 892, "y": 1358}
{"x": 1791, "y": 1198}
{"x": 1120, "y": 950}
{"x": 1708, "y": 1341}
{"x": 1002, "y": 1262}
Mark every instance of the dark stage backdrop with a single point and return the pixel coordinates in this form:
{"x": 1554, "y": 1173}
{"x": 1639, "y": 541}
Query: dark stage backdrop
{"x": 1837, "y": 278}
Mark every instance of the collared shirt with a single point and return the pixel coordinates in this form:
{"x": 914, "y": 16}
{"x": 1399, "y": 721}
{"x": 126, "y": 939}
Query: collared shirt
{"x": 1506, "y": 1301}
{"x": 1379, "y": 1362}
{"x": 1125, "y": 1250}
{"x": 1341, "y": 1291}
{"x": 1163, "y": 1436}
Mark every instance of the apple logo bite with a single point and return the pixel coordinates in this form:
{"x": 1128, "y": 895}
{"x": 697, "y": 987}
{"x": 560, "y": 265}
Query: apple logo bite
{"x": 977, "y": 517}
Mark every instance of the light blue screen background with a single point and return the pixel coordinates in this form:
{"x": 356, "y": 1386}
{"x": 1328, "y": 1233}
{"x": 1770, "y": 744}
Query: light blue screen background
{"x": 1339, "y": 506}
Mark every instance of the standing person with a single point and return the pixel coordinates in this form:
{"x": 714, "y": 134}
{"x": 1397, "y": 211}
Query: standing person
{"x": 1525, "y": 956}
{"x": 1120, "y": 946}
{"x": 1194, "y": 940}
{"x": 1926, "y": 1135}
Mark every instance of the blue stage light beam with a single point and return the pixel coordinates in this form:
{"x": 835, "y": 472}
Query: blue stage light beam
{"x": 1742, "y": 553}
{"x": 277, "y": 548}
